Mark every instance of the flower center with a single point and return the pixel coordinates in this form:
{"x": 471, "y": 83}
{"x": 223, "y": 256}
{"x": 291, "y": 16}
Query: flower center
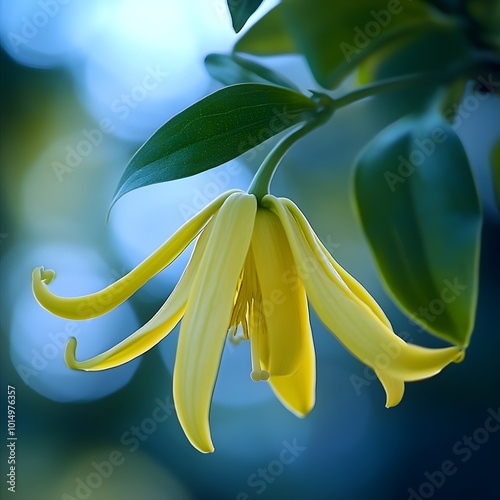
{"x": 248, "y": 312}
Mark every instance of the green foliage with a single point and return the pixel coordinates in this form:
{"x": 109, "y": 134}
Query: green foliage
{"x": 486, "y": 13}
{"x": 241, "y": 10}
{"x": 437, "y": 46}
{"x": 451, "y": 99}
{"x": 414, "y": 190}
{"x": 420, "y": 211}
{"x": 495, "y": 170}
{"x": 214, "y": 130}
{"x": 232, "y": 69}
{"x": 334, "y": 36}
{"x": 268, "y": 36}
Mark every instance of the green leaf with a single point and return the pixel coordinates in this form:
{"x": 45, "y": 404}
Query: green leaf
{"x": 495, "y": 170}
{"x": 452, "y": 97}
{"x": 420, "y": 211}
{"x": 268, "y": 36}
{"x": 437, "y": 46}
{"x": 231, "y": 69}
{"x": 241, "y": 10}
{"x": 214, "y": 130}
{"x": 333, "y": 35}
{"x": 436, "y": 49}
{"x": 486, "y": 13}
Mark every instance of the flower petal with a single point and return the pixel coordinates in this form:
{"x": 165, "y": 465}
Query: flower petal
{"x": 206, "y": 320}
{"x": 156, "y": 329}
{"x": 297, "y": 392}
{"x": 394, "y": 388}
{"x": 356, "y": 326}
{"x": 96, "y": 304}
{"x": 284, "y": 304}
{"x": 318, "y": 247}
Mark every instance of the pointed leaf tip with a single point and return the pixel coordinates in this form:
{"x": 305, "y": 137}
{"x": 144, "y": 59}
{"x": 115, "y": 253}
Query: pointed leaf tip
{"x": 241, "y": 10}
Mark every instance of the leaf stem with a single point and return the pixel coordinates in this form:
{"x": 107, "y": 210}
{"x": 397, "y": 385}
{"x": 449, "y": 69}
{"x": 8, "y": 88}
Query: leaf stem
{"x": 327, "y": 105}
{"x": 400, "y": 82}
{"x": 262, "y": 180}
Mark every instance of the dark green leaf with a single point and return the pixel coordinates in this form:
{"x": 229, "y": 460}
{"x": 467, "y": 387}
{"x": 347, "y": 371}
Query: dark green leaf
{"x": 420, "y": 211}
{"x": 241, "y": 10}
{"x": 495, "y": 169}
{"x": 231, "y": 69}
{"x": 453, "y": 95}
{"x": 438, "y": 48}
{"x": 333, "y": 35}
{"x": 212, "y": 131}
{"x": 434, "y": 48}
{"x": 268, "y": 36}
{"x": 486, "y": 13}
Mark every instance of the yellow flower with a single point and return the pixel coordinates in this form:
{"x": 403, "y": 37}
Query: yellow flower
{"x": 252, "y": 266}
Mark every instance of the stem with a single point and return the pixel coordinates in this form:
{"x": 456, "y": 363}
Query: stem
{"x": 400, "y": 82}
{"x": 262, "y": 180}
{"x": 326, "y": 107}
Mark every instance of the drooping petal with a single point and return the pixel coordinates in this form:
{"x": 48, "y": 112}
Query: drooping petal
{"x": 297, "y": 392}
{"x": 206, "y": 320}
{"x": 156, "y": 329}
{"x": 394, "y": 388}
{"x": 318, "y": 248}
{"x": 284, "y": 304}
{"x": 356, "y": 326}
{"x": 96, "y": 304}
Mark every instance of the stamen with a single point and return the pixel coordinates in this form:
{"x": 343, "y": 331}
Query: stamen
{"x": 247, "y": 312}
{"x": 257, "y": 372}
{"x": 234, "y": 338}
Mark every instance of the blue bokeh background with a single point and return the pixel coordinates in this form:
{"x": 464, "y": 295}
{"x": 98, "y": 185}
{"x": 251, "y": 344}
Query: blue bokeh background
{"x": 83, "y": 85}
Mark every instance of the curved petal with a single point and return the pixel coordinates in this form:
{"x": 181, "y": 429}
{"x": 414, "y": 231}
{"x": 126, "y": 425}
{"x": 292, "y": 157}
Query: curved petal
{"x": 318, "y": 248}
{"x": 206, "y": 320}
{"x": 284, "y": 305}
{"x": 356, "y": 326}
{"x": 96, "y": 304}
{"x": 394, "y": 388}
{"x": 156, "y": 329}
{"x": 297, "y": 392}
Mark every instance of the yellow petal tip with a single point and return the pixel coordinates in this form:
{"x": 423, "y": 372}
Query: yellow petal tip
{"x": 460, "y": 356}
{"x": 45, "y": 275}
{"x": 70, "y": 354}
